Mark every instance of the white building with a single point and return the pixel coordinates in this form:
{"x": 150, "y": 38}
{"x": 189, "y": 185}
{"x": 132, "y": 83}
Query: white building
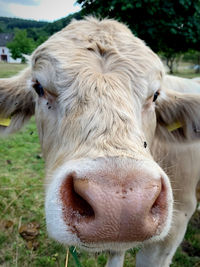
{"x": 5, "y": 54}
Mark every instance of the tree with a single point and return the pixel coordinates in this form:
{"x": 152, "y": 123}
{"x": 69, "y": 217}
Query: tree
{"x": 168, "y": 26}
{"x": 21, "y": 44}
{"x": 56, "y": 26}
{"x": 41, "y": 40}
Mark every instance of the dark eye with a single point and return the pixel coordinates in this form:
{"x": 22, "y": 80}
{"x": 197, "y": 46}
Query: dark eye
{"x": 38, "y": 88}
{"x": 156, "y": 96}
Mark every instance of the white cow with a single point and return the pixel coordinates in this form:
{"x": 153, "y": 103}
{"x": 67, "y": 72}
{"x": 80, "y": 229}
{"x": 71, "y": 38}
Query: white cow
{"x": 113, "y": 131}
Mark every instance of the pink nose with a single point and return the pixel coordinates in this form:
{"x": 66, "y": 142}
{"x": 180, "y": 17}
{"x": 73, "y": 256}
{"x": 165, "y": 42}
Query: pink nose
{"x": 104, "y": 208}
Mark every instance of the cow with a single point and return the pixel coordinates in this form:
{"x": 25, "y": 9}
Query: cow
{"x": 113, "y": 132}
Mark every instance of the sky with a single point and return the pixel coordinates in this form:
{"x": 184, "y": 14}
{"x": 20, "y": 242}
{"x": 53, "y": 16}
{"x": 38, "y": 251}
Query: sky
{"x": 45, "y": 10}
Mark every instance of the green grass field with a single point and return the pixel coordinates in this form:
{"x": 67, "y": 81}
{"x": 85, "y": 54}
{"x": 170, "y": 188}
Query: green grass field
{"x": 22, "y": 202}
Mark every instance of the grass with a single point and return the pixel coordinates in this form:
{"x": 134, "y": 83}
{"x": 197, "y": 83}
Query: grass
{"x": 186, "y": 73}
{"x": 22, "y": 202}
{"x": 7, "y": 70}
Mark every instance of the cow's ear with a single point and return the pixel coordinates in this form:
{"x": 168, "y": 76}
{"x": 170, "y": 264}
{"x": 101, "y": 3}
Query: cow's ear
{"x": 16, "y": 102}
{"x": 178, "y": 116}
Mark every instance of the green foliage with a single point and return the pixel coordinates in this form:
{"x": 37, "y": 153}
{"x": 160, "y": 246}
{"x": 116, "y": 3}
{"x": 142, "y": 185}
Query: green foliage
{"x": 32, "y": 33}
{"x": 73, "y": 252}
{"x": 56, "y": 26}
{"x": 41, "y": 40}
{"x": 9, "y": 24}
{"x": 168, "y": 26}
{"x": 35, "y": 29}
{"x": 21, "y": 44}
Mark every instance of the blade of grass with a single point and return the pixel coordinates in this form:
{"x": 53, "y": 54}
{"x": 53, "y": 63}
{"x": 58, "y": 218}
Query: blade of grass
{"x": 72, "y": 250}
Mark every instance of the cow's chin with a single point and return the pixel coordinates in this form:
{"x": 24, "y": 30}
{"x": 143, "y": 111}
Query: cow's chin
{"x": 64, "y": 233}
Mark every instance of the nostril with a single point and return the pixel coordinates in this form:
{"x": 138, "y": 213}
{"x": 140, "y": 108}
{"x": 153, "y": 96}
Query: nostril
{"x": 158, "y": 208}
{"x": 75, "y": 206}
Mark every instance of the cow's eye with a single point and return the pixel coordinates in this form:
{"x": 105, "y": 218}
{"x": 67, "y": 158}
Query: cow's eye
{"x": 38, "y": 88}
{"x": 156, "y": 96}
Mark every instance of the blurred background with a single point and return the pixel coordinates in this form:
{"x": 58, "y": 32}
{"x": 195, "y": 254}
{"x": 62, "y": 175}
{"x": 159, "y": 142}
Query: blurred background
{"x": 170, "y": 28}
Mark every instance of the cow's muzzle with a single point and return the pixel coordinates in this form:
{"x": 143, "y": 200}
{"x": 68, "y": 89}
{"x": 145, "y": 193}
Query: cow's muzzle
{"x": 114, "y": 205}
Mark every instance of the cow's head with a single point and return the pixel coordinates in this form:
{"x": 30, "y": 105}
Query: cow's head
{"x": 95, "y": 90}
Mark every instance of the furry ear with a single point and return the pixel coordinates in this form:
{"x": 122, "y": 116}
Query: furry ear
{"x": 178, "y": 117}
{"x": 17, "y": 103}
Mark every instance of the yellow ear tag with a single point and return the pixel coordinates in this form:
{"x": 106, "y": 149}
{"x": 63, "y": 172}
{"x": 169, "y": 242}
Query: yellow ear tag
{"x": 174, "y": 126}
{"x": 5, "y": 122}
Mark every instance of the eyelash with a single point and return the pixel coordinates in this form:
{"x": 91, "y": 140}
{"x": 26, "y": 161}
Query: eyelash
{"x": 156, "y": 96}
{"x": 38, "y": 88}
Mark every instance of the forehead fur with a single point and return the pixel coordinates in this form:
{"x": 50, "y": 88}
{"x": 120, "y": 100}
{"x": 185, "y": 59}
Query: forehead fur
{"x": 105, "y": 46}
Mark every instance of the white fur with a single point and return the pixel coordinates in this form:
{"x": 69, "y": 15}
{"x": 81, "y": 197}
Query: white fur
{"x": 115, "y": 259}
